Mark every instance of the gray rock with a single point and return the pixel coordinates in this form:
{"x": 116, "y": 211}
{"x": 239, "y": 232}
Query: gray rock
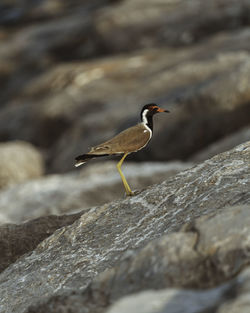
{"x": 16, "y": 240}
{"x": 22, "y": 12}
{"x": 68, "y": 260}
{"x": 222, "y": 145}
{"x": 93, "y": 185}
{"x": 206, "y": 85}
{"x": 143, "y": 23}
{"x": 175, "y": 260}
{"x": 171, "y": 301}
{"x": 19, "y": 162}
{"x": 4, "y": 219}
{"x": 219, "y": 87}
{"x": 37, "y": 34}
{"x": 241, "y": 300}
{"x": 231, "y": 297}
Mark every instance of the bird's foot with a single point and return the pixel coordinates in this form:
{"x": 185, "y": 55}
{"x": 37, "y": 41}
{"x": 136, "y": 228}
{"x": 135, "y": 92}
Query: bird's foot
{"x": 133, "y": 193}
{"x": 130, "y": 194}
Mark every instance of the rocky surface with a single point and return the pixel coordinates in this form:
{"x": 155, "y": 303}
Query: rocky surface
{"x": 171, "y": 300}
{"x": 200, "y": 86}
{"x": 99, "y": 238}
{"x": 72, "y": 75}
{"x": 178, "y": 135}
{"x": 19, "y": 162}
{"x": 94, "y": 185}
{"x": 218, "y": 299}
{"x": 208, "y": 97}
{"x": 16, "y": 240}
{"x": 206, "y": 253}
{"x": 130, "y": 25}
{"x": 222, "y": 145}
{"x": 74, "y": 85}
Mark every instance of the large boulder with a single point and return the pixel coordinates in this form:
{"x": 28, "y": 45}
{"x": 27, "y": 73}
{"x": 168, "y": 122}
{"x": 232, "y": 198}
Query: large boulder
{"x": 207, "y": 253}
{"x": 136, "y": 24}
{"x": 232, "y": 297}
{"x": 37, "y": 34}
{"x": 19, "y": 161}
{"x": 222, "y": 145}
{"x": 16, "y": 13}
{"x": 202, "y": 255}
{"x": 16, "y": 240}
{"x": 66, "y": 193}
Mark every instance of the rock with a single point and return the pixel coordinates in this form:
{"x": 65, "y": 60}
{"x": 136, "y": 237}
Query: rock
{"x": 21, "y": 12}
{"x": 142, "y": 24}
{"x": 37, "y": 34}
{"x": 203, "y": 254}
{"x": 19, "y": 161}
{"x": 51, "y": 37}
{"x": 94, "y": 185}
{"x": 223, "y": 145}
{"x": 178, "y": 136}
{"x": 240, "y": 302}
{"x": 4, "y": 219}
{"x": 37, "y": 126}
{"x": 16, "y": 240}
{"x": 230, "y": 297}
{"x": 15, "y": 13}
{"x": 82, "y": 101}
{"x": 175, "y": 260}
{"x": 171, "y": 301}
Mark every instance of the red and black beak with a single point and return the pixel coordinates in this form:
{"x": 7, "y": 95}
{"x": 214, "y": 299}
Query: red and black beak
{"x": 162, "y": 110}
{"x": 158, "y": 110}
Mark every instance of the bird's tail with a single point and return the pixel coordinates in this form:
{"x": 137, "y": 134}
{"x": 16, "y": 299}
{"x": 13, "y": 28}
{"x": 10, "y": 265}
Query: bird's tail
{"x": 81, "y": 159}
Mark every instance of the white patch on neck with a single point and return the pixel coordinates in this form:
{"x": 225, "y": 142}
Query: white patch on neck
{"x": 144, "y": 116}
{"x": 145, "y": 121}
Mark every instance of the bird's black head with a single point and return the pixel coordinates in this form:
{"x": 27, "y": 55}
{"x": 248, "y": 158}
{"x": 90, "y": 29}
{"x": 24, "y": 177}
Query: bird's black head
{"x": 151, "y": 109}
{"x": 147, "y": 113}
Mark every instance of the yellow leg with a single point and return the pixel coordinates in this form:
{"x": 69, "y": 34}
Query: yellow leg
{"x": 126, "y": 186}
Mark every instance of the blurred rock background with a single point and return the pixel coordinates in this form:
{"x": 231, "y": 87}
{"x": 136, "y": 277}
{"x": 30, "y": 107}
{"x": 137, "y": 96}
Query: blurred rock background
{"x": 75, "y": 73}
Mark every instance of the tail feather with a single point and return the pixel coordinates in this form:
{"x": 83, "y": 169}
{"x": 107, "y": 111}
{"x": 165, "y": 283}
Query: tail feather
{"x": 81, "y": 159}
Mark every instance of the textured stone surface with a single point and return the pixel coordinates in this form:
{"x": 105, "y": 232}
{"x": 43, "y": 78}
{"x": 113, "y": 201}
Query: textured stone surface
{"x": 16, "y": 240}
{"x": 19, "y": 161}
{"x": 177, "y": 260}
{"x": 231, "y": 297}
{"x": 93, "y": 185}
{"x": 97, "y": 240}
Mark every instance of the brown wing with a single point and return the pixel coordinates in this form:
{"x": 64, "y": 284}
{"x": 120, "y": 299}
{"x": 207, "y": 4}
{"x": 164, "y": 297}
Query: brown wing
{"x": 129, "y": 140}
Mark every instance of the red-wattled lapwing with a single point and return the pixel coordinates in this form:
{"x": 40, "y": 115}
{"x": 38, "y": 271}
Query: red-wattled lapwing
{"x": 130, "y": 140}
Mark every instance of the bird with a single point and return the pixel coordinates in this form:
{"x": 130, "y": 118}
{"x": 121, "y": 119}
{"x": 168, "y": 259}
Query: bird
{"x": 130, "y": 140}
